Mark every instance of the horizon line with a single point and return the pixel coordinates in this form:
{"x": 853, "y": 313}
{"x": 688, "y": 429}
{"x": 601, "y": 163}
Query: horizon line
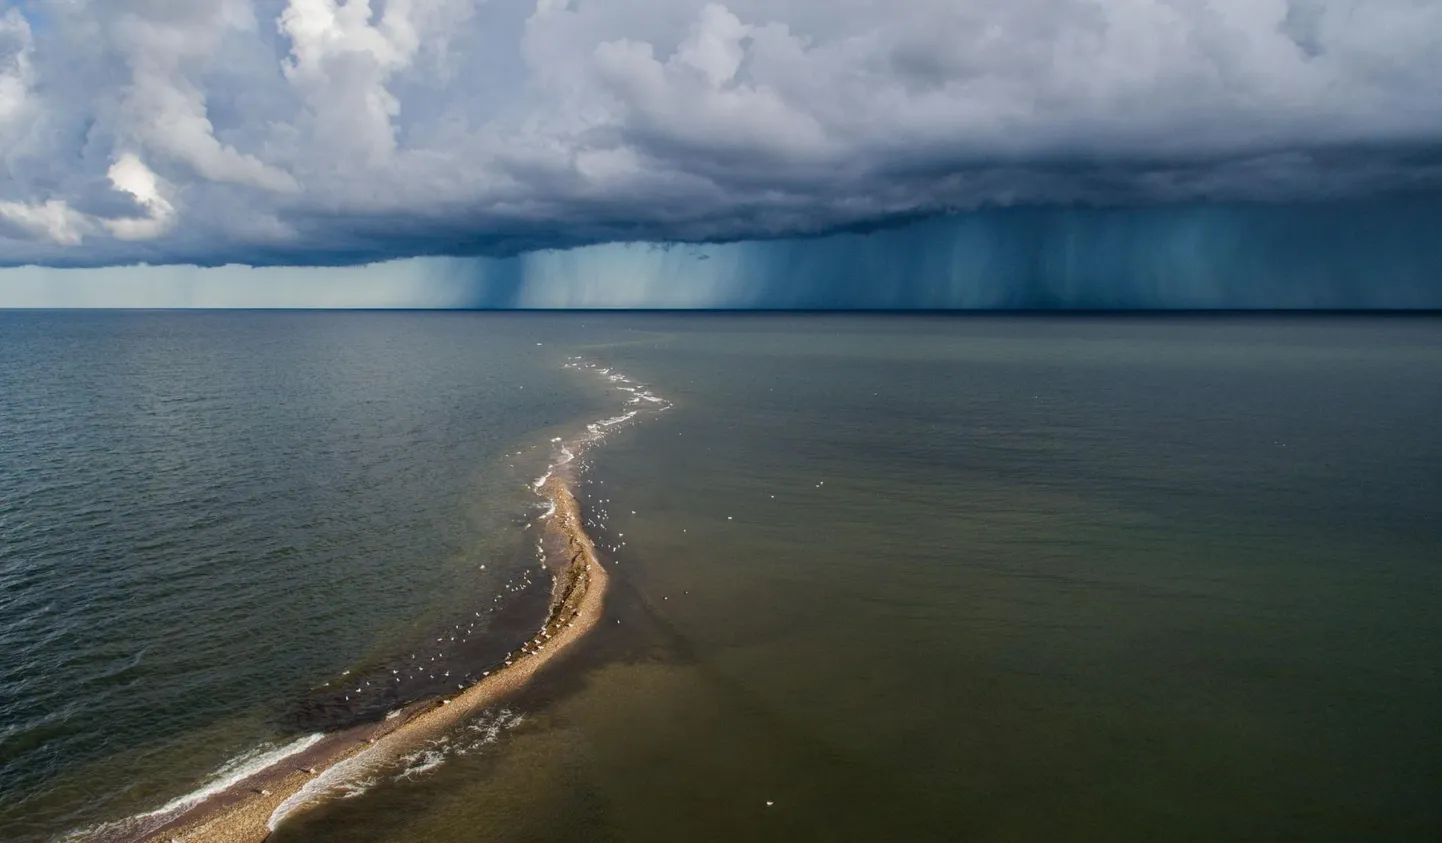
{"x": 899, "y": 311}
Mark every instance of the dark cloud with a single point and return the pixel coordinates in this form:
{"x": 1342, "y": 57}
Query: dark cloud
{"x": 328, "y": 132}
{"x": 1380, "y": 252}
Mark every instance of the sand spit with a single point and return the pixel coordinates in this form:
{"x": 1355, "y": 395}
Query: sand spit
{"x": 244, "y": 813}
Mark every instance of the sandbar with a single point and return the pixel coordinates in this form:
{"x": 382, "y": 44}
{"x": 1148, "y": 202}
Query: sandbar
{"x": 243, "y": 813}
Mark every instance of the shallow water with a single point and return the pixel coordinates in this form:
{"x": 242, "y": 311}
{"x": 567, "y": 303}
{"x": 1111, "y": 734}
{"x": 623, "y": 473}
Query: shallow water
{"x": 1020, "y": 579}
{"x": 901, "y": 578}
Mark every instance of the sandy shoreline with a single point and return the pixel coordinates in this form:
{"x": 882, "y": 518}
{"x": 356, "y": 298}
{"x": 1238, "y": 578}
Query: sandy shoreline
{"x": 242, "y": 813}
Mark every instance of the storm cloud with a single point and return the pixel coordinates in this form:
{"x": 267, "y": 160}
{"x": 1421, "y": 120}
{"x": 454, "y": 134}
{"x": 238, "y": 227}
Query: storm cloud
{"x": 326, "y": 132}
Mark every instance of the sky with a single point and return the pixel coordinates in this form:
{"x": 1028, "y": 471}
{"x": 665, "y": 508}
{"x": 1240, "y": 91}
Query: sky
{"x": 752, "y": 153}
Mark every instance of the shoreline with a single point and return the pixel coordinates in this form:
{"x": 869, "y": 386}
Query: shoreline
{"x": 312, "y": 768}
{"x": 247, "y": 811}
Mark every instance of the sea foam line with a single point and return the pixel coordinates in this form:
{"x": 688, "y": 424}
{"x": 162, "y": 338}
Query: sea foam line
{"x": 228, "y": 775}
{"x": 237, "y": 770}
{"x": 345, "y": 778}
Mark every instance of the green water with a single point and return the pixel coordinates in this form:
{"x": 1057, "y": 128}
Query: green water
{"x": 988, "y": 580}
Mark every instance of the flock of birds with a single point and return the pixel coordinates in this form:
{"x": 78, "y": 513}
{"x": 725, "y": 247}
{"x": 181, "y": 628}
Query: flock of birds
{"x": 431, "y": 668}
{"x": 422, "y": 666}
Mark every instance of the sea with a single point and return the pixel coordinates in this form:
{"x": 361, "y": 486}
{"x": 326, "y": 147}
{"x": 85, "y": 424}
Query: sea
{"x": 1008, "y": 577}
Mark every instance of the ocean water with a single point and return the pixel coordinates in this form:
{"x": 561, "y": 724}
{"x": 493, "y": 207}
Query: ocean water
{"x": 207, "y": 520}
{"x": 915, "y": 578}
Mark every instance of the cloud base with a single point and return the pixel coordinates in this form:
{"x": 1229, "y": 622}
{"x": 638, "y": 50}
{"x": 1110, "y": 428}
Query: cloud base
{"x": 1378, "y": 254}
{"x": 334, "y": 132}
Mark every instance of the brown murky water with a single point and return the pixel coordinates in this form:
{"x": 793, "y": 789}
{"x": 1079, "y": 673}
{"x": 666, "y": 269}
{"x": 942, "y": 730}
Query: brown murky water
{"x": 990, "y": 579}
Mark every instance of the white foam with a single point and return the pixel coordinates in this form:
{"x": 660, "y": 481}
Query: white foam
{"x": 229, "y": 774}
{"x": 360, "y": 773}
{"x": 236, "y": 770}
{"x": 345, "y": 779}
{"x": 422, "y": 761}
{"x": 615, "y": 420}
{"x": 483, "y": 732}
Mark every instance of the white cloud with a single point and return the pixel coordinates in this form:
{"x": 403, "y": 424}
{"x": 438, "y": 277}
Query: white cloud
{"x": 17, "y": 75}
{"x": 130, "y": 175}
{"x": 341, "y": 62}
{"x": 167, "y": 48}
{"x": 344, "y": 130}
{"x": 342, "y": 58}
{"x": 54, "y": 221}
{"x": 695, "y": 100}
